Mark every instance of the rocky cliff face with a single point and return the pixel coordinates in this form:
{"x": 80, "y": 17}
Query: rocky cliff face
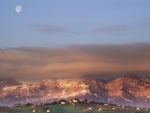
{"x": 122, "y": 90}
{"x": 129, "y": 91}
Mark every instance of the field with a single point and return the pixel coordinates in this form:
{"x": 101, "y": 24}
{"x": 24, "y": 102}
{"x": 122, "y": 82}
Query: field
{"x": 68, "y": 108}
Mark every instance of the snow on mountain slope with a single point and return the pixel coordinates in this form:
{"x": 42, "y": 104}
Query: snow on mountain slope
{"x": 123, "y": 90}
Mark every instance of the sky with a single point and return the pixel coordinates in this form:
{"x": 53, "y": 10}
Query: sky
{"x": 42, "y": 39}
{"x": 57, "y": 23}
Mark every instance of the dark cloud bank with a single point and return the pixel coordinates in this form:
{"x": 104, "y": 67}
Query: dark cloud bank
{"x": 36, "y": 63}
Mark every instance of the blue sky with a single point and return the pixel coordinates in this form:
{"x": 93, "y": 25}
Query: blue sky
{"x": 54, "y": 23}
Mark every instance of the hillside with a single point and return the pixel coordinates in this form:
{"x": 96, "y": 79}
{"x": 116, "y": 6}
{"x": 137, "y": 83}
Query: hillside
{"x": 134, "y": 91}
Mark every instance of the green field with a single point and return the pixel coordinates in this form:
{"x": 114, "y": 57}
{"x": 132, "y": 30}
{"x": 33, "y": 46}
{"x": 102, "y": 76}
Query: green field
{"x": 68, "y": 108}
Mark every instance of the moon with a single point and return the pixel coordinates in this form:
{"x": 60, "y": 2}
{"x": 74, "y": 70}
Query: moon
{"x": 18, "y": 9}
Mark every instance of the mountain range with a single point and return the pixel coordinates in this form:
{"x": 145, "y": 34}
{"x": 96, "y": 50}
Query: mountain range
{"x": 126, "y": 90}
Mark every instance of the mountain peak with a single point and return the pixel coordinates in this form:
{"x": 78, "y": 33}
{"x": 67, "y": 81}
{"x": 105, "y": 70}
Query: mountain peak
{"x": 8, "y": 82}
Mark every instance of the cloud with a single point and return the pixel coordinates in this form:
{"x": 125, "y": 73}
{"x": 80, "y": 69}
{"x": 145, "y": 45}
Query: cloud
{"x": 49, "y": 28}
{"x": 27, "y": 63}
{"x": 52, "y": 29}
{"x": 146, "y": 24}
{"x": 111, "y": 28}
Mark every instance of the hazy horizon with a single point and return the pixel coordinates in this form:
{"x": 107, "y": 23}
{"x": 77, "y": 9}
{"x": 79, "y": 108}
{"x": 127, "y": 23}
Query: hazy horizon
{"x": 36, "y": 63}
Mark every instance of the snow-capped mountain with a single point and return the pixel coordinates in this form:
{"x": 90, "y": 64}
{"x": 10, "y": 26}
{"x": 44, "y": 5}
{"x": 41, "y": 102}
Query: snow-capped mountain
{"x": 133, "y": 91}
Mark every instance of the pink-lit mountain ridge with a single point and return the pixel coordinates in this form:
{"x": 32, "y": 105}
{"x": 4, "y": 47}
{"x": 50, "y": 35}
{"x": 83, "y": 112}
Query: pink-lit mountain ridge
{"x": 134, "y": 91}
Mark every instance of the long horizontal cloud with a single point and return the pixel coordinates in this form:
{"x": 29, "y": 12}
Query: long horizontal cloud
{"x": 51, "y": 29}
{"x": 34, "y": 63}
{"x": 111, "y": 28}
